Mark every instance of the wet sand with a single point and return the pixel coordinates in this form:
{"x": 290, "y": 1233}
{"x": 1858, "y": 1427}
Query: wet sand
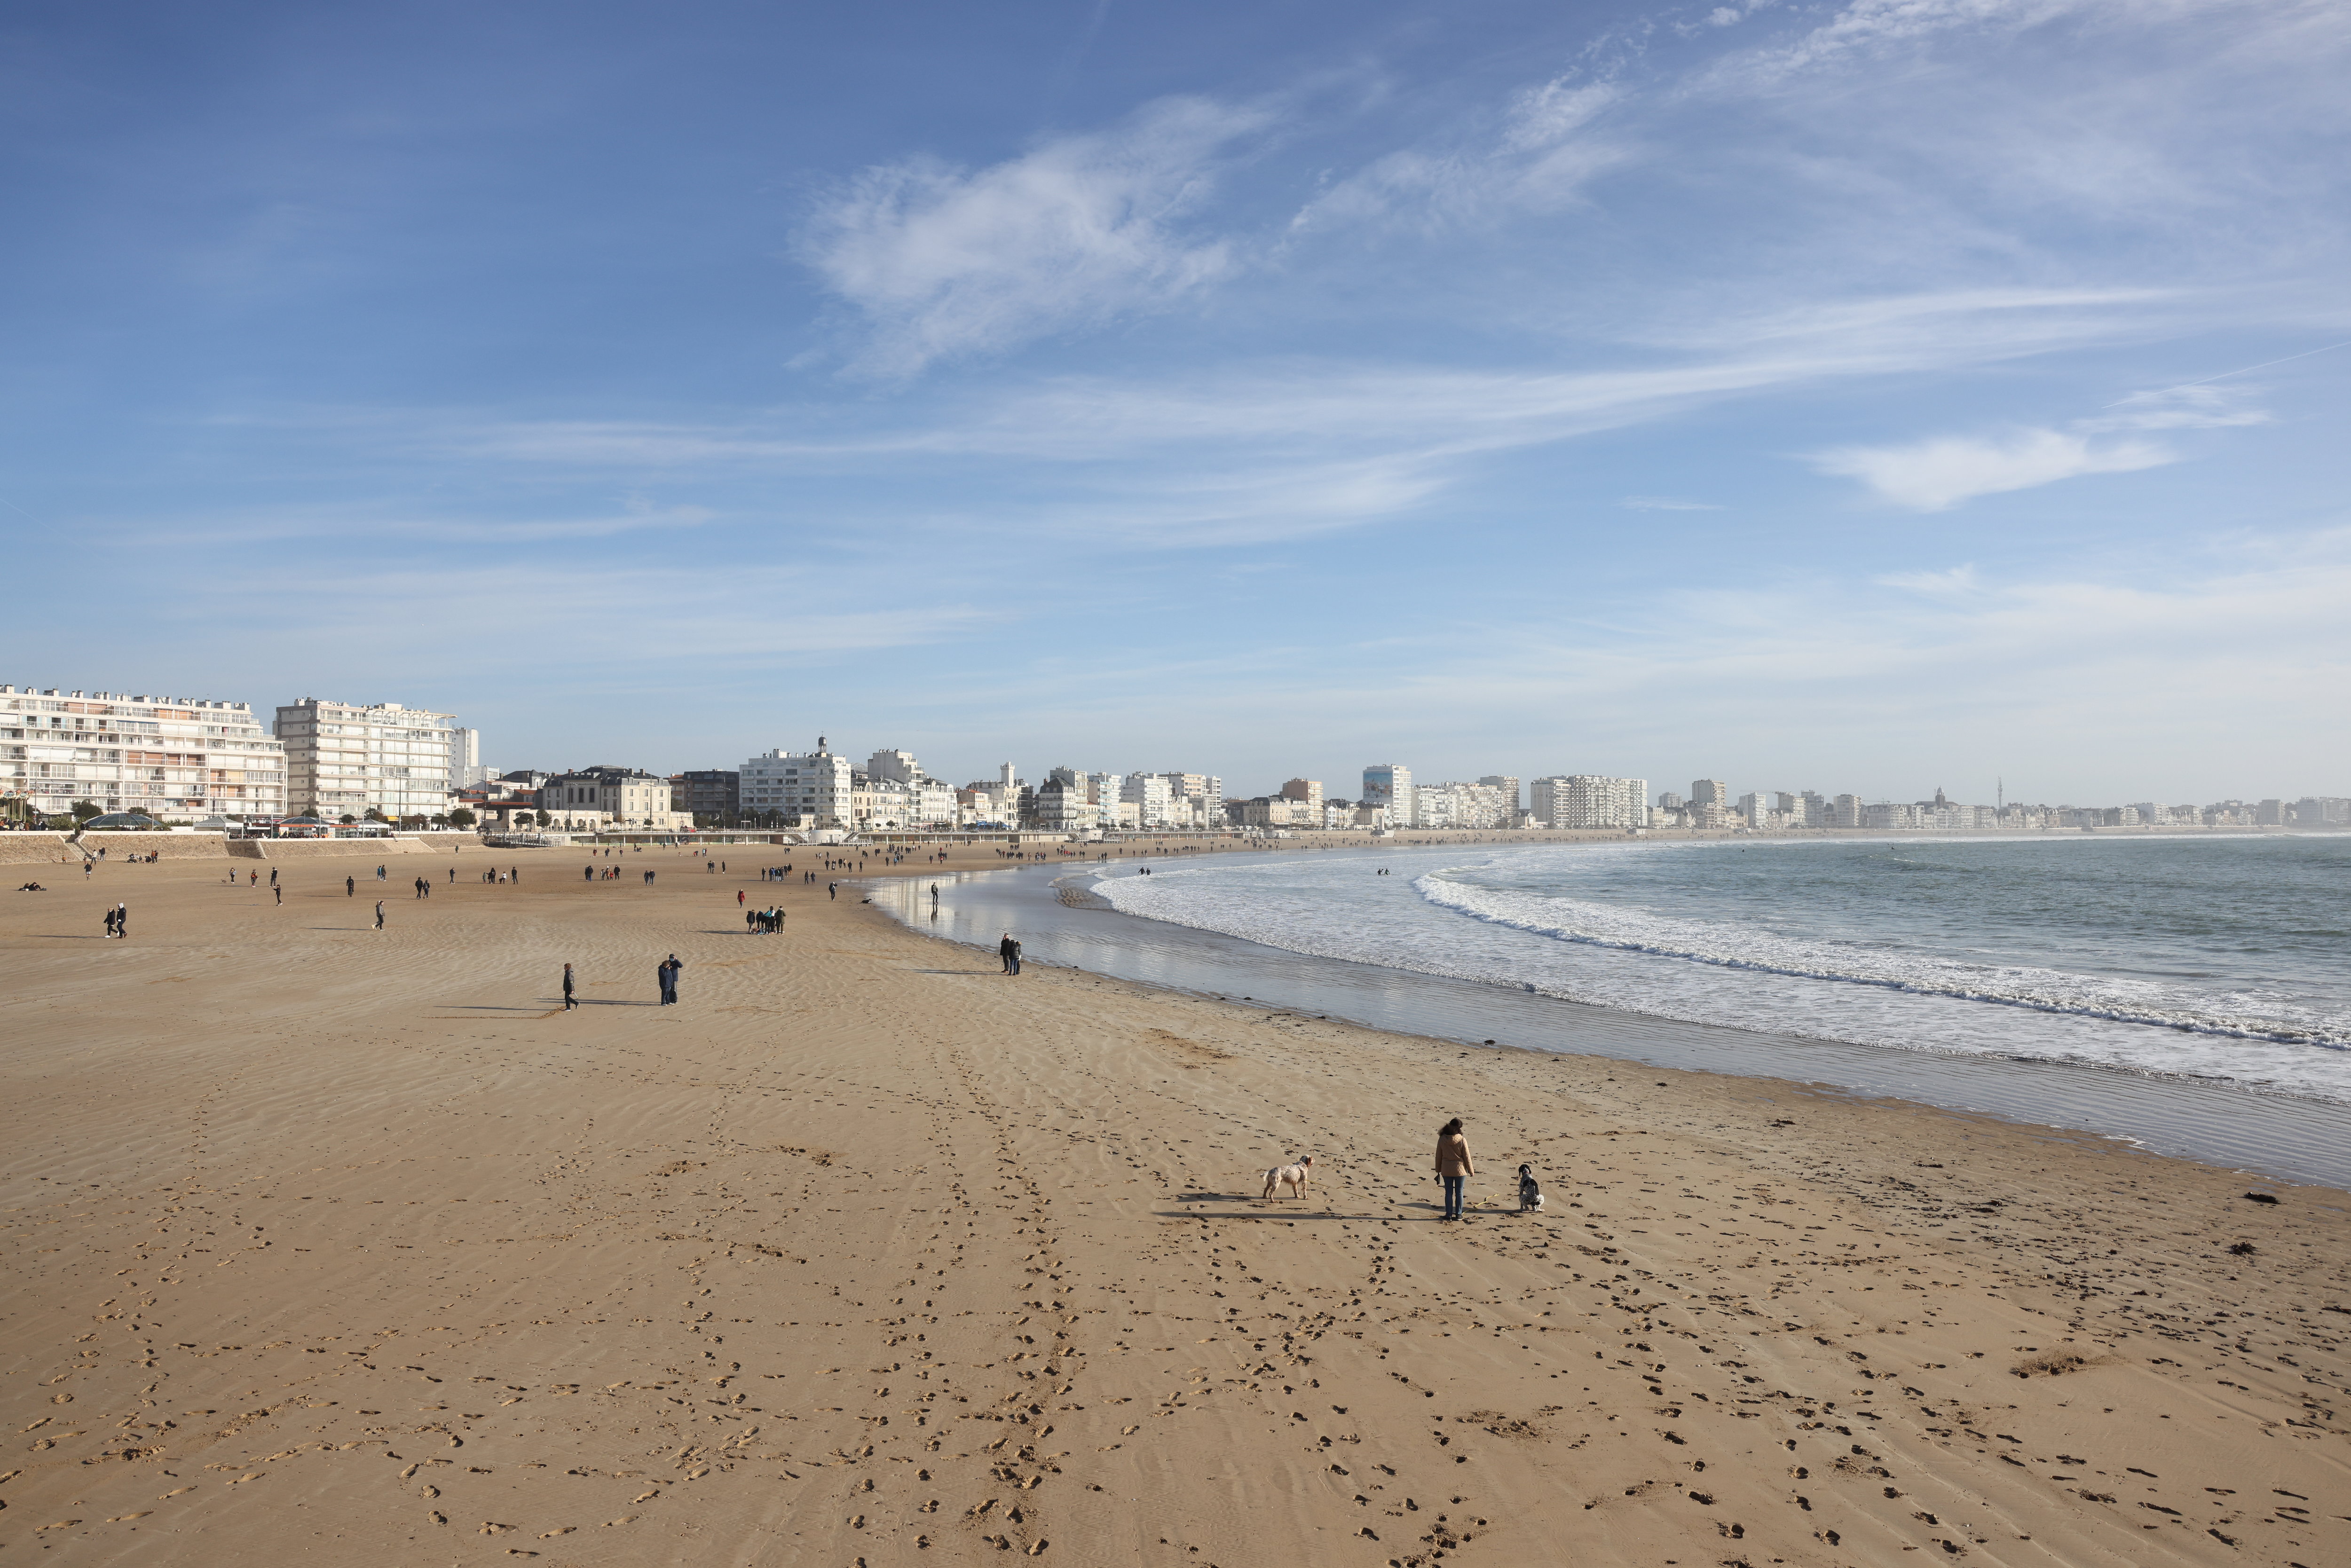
{"x": 868, "y": 1252}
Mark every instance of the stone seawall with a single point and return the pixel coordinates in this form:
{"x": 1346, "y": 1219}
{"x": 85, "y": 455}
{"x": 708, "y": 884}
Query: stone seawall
{"x": 320, "y": 849}
{"x": 59, "y": 848}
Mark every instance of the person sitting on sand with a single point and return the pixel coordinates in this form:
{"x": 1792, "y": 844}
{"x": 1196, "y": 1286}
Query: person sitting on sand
{"x": 1454, "y": 1164}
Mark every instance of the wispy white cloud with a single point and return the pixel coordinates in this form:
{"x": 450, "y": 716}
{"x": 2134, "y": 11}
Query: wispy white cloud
{"x": 1935, "y": 474}
{"x": 1538, "y": 156}
{"x": 348, "y": 523}
{"x": 1868, "y": 25}
{"x": 2180, "y": 408}
{"x": 941, "y": 261}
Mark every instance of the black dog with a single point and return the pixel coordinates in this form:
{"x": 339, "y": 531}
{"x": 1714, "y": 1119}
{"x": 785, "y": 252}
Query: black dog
{"x": 1530, "y": 1190}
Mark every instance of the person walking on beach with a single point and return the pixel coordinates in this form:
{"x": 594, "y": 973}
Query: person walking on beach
{"x": 273, "y": 876}
{"x": 1454, "y": 1164}
{"x": 567, "y": 1003}
{"x": 832, "y": 890}
{"x": 379, "y": 915}
{"x": 122, "y": 920}
{"x": 277, "y": 893}
{"x": 109, "y": 927}
{"x": 1010, "y": 951}
{"x": 668, "y": 973}
{"x": 350, "y": 886}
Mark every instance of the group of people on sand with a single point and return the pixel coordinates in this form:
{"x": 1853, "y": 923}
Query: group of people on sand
{"x": 762, "y": 922}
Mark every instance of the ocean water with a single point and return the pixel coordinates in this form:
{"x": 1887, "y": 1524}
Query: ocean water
{"x": 2220, "y": 959}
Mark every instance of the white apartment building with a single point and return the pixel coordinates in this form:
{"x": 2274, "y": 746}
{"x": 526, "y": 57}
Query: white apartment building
{"x": 344, "y": 759}
{"x": 903, "y": 796}
{"x": 1152, "y": 797}
{"x": 171, "y": 757}
{"x": 1508, "y": 784}
{"x": 813, "y": 788}
{"x": 1455, "y": 804}
{"x": 1590, "y": 800}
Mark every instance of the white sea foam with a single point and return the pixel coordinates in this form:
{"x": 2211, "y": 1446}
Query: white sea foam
{"x": 1743, "y": 976}
{"x": 1738, "y": 947}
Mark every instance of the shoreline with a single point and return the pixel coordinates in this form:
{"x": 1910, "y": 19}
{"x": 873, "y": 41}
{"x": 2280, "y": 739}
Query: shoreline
{"x": 2277, "y": 1137}
{"x": 866, "y": 1250}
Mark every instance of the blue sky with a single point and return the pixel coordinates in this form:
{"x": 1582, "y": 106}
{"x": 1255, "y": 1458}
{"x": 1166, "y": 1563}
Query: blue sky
{"x": 1860, "y": 397}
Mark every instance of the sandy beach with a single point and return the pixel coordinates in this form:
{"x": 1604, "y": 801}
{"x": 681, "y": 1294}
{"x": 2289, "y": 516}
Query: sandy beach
{"x": 866, "y": 1253}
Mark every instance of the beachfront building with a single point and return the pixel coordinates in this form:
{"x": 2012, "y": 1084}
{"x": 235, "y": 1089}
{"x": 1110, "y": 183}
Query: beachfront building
{"x": 897, "y": 793}
{"x": 799, "y": 789}
{"x": 1153, "y": 796}
{"x": 347, "y": 760}
{"x": 174, "y": 759}
{"x": 592, "y": 800}
{"x": 712, "y": 796}
{"x": 1195, "y": 801}
{"x": 1307, "y": 793}
{"x": 1458, "y": 805}
{"x": 1507, "y": 783}
{"x": 1060, "y": 805}
{"x": 1387, "y": 786}
{"x": 1590, "y": 800}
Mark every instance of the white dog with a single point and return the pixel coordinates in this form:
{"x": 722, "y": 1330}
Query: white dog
{"x": 1294, "y": 1177}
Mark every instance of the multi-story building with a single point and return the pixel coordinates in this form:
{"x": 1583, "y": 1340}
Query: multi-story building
{"x": 799, "y": 789}
{"x": 343, "y": 759}
{"x": 1388, "y": 786}
{"x": 1197, "y": 799}
{"x": 1507, "y": 783}
{"x": 1307, "y": 791}
{"x": 903, "y": 796}
{"x": 1153, "y": 796}
{"x": 1455, "y": 804}
{"x": 170, "y": 758}
{"x": 1710, "y": 792}
{"x": 1590, "y": 800}
{"x": 1847, "y": 811}
{"x": 712, "y": 796}
{"x": 465, "y": 760}
{"x": 1274, "y": 812}
{"x": 1060, "y": 806}
{"x": 605, "y": 795}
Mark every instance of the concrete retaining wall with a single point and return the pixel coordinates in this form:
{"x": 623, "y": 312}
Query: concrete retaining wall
{"x": 55, "y": 849}
{"x": 320, "y": 849}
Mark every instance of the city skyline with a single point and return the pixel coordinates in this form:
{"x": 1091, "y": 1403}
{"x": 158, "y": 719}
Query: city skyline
{"x": 1842, "y": 395}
